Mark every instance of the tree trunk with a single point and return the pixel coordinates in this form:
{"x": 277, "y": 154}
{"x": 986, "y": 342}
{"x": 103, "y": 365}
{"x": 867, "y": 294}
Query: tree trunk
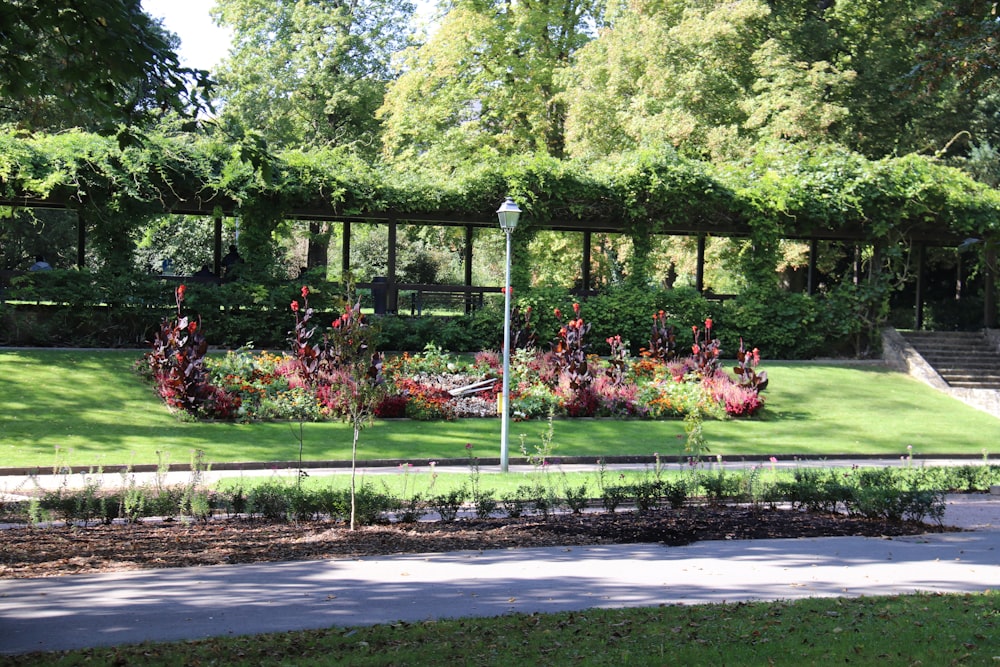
{"x": 354, "y": 464}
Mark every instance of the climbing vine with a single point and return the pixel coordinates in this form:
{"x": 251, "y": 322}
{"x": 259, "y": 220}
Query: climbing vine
{"x": 780, "y": 191}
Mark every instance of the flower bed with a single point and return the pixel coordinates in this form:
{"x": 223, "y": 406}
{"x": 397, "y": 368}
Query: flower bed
{"x": 321, "y": 380}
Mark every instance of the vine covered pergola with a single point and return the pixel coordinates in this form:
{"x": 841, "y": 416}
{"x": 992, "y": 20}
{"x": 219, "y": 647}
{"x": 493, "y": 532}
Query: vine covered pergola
{"x": 783, "y": 192}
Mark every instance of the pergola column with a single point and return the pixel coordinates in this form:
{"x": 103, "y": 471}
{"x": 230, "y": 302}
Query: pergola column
{"x": 585, "y": 273}
{"x": 699, "y": 274}
{"x": 989, "y": 289}
{"x": 81, "y": 240}
{"x": 811, "y": 276}
{"x": 217, "y": 245}
{"x": 918, "y": 318}
{"x": 345, "y": 251}
{"x": 392, "y": 295}
{"x": 467, "y": 265}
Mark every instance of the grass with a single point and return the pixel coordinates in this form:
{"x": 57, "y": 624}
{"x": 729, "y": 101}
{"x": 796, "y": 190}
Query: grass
{"x": 88, "y": 408}
{"x": 904, "y": 630}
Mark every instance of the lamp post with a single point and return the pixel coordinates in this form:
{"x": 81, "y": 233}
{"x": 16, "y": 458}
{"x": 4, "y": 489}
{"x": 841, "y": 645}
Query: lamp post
{"x": 508, "y": 214}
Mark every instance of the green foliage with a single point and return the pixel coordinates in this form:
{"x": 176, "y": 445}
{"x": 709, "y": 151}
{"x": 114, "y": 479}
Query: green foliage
{"x": 307, "y": 73}
{"x": 784, "y": 325}
{"x": 126, "y": 73}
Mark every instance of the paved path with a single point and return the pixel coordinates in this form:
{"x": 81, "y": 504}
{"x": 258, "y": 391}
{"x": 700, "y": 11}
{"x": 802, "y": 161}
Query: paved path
{"x": 162, "y": 605}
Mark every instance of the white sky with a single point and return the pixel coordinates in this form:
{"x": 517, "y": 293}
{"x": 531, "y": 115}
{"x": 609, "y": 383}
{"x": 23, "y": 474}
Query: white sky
{"x": 204, "y": 44}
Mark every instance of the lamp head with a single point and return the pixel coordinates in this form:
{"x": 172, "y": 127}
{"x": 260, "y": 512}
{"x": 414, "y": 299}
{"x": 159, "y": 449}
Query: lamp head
{"x": 508, "y": 214}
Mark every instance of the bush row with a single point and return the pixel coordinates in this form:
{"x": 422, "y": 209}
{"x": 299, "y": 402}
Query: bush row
{"x": 75, "y": 308}
{"x": 889, "y": 494}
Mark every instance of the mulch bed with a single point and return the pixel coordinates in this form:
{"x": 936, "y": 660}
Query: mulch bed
{"x": 43, "y": 552}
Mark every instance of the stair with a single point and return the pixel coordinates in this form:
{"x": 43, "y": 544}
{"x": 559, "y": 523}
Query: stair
{"x": 963, "y": 359}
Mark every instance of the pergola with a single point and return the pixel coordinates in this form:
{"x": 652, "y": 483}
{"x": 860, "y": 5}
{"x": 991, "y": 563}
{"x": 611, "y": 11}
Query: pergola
{"x": 921, "y": 236}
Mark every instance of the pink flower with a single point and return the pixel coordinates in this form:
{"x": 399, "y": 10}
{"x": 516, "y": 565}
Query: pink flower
{"x": 305, "y": 291}
{"x": 557, "y": 313}
{"x": 774, "y": 459}
{"x": 694, "y": 329}
{"x": 695, "y": 349}
{"x": 468, "y": 446}
{"x": 576, "y": 308}
{"x": 295, "y": 306}
{"x": 708, "y": 323}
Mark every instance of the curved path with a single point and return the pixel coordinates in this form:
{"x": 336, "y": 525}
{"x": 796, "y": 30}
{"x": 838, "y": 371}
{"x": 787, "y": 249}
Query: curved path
{"x": 163, "y": 605}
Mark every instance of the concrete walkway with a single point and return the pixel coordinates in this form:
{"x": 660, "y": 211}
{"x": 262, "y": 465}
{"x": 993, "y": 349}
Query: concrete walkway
{"x": 164, "y": 605}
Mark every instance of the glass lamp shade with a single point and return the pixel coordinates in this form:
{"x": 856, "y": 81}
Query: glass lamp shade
{"x": 508, "y": 214}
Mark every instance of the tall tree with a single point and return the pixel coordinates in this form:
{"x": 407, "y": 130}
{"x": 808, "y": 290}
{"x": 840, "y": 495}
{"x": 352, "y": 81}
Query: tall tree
{"x": 92, "y": 64}
{"x": 312, "y": 72}
{"x": 710, "y": 76}
{"x": 485, "y": 82}
{"x": 702, "y": 75}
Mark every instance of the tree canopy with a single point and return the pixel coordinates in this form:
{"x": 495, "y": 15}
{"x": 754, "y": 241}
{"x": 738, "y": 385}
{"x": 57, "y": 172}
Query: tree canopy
{"x": 310, "y": 73}
{"x": 92, "y": 64}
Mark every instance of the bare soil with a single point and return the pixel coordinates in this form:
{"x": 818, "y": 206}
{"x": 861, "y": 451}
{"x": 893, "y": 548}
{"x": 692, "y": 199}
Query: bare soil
{"x": 44, "y": 552}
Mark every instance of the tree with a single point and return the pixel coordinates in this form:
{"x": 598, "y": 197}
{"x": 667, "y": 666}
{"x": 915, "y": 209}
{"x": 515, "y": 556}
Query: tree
{"x": 712, "y": 78}
{"x": 485, "y": 82}
{"x": 310, "y": 73}
{"x": 664, "y": 72}
{"x": 92, "y": 64}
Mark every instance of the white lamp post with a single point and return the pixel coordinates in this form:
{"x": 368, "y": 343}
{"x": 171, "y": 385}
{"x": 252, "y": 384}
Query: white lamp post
{"x": 508, "y": 214}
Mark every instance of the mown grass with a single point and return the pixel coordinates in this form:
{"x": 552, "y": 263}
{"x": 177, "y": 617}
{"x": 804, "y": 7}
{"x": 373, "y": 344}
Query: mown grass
{"x": 88, "y": 408}
{"x": 916, "y": 629}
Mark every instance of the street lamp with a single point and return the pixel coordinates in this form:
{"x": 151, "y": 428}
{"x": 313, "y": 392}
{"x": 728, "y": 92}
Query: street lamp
{"x": 508, "y": 214}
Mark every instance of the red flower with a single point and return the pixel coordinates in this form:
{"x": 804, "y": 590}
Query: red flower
{"x": 694, "y": 329}
{"x": 557, "y": 314}
{"x": 305, "y": 291}
{"x": 295, "y": 306}
{"x": 576, "y": 308}
{"x": 180, "y": 292}
{"x": 695, "y": 349}
{"x": 708, "y": 323}
{"x": 192, "y": 327}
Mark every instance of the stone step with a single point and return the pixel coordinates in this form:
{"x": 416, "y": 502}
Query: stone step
{"x": 942, "y": 364}
{"x": 990, "y": 386}
{"x": 962, "y": 358}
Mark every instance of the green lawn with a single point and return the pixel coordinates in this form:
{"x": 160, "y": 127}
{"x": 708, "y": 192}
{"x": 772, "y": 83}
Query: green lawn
{"x": 917, "y": 629}
{"x": 88, "y": 408}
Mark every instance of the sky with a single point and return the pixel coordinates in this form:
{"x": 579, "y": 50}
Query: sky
{"x": 203, "y": 44}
